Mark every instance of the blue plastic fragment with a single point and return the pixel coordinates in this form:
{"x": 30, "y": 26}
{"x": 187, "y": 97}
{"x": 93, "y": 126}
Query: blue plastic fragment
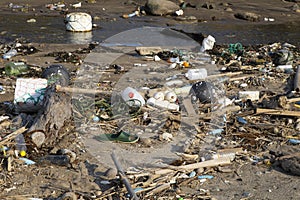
{"x": 216, "y": 131}
{"x": 96, "y": 119}
{"x": 192, "y": 174}
{"x": 294, "y": 141}
{"x": 138, "y": 189}
{"x": 241, "y": 120}
{"x": 27, "y": 161}
{"x": 205, "y": 177}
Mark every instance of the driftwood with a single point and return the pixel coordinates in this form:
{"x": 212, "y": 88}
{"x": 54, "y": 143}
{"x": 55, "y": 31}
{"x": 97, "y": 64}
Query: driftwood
{"x": 12, "y": 135}
{"x": 277, "y": 112}
{"x": 54, "y": 115}
{"x": 80, "y": 90}
{"x": 208, "y": 163}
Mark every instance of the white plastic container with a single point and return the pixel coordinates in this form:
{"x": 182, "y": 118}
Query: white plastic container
{"x": 252, "y": 95}
{"x": 196, "y": 74}
{"x": 78, "y": 22}
{"x": 207, "y": 43}
{"x": 162, "y": 104}
{"x": 131, "y": 94}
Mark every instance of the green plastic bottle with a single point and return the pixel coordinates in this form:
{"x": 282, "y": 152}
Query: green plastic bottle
{"x": 15, "y": 68}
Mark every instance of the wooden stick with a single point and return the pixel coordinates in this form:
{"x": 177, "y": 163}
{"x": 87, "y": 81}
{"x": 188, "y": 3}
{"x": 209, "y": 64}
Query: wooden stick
{"x": 60, "y": 88}
{"x": 158, "y": 189}
{"x": 124, "y": 178}
{"x": 277, "y": 112}
{"x": 13, "y": 135}
{"x": 293, "y": 100}
{"x": 208, "y": 163}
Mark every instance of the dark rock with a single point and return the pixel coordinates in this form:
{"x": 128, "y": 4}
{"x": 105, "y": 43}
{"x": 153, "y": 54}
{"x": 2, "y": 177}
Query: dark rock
{"x": 161, "y": 7}
{"x": 208, "y": 5}
{"x": 247, "y": 16}
{"x": 291, "y": 165}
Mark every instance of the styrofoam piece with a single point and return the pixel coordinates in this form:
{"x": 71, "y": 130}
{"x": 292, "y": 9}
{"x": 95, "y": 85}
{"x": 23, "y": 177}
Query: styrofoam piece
{"x": 162, "y": 104}
{"x": 29, "y": 94}
{"x": 252, "y": 95}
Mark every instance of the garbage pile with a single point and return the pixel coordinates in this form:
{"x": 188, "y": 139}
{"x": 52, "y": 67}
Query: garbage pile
{"x": 239, "y": 104}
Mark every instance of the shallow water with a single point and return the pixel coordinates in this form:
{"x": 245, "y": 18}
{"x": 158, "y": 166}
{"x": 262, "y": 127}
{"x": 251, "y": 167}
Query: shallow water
{"x": 52, "y": 30}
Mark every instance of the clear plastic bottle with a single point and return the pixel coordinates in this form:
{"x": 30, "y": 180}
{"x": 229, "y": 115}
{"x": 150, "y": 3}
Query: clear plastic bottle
{"x": 10, "y": 53}
{"x": 21, "y": 145}
{"x": 196, "y": 74}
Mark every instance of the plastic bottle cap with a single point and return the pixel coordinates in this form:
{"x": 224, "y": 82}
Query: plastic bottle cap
{"x": 22, "y": 153}
{"x": 131, "y": 94}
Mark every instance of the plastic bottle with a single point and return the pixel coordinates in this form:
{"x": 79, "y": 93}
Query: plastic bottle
{"x": 196, "y": 74}
{"x": 10, "y": 53}
{"x": 21, "y": 145}
{"x": 15, "y": 68}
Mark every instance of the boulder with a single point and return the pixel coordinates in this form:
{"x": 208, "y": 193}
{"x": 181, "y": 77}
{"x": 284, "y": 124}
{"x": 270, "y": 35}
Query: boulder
{"x": 161, "y": 7}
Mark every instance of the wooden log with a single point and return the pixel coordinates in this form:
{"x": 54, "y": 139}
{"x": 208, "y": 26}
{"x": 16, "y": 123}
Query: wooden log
{"x": 53, "y": 117}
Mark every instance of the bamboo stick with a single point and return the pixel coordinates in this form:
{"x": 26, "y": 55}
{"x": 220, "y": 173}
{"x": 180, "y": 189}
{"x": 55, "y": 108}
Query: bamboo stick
{"x": 60, "y": 88}
{"x": 12, "y": 135}
{"x": 277, "y": 112}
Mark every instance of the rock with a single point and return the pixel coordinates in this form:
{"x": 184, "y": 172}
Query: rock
{"x": 161, "y": 7}
{"x": 111, "y": 173}
{"x": 208, "y": 5}
{"x": 69, "y": 196}
{"x": 228, "y": 9}
{"x": 247, "y": 16}
{"x": 144, "y": 51}
{"x": 38, "y": 138}
{"x": 291, "y": 165}
{"x": 146, "y": 141}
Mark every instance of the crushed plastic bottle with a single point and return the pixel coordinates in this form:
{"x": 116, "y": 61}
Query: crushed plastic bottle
{"x": 21, "y": 145}
{"x": 10, "y": 53}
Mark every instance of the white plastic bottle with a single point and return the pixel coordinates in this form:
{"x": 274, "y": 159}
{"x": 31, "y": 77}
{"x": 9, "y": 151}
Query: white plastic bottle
{"x": 196, "y": 74}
